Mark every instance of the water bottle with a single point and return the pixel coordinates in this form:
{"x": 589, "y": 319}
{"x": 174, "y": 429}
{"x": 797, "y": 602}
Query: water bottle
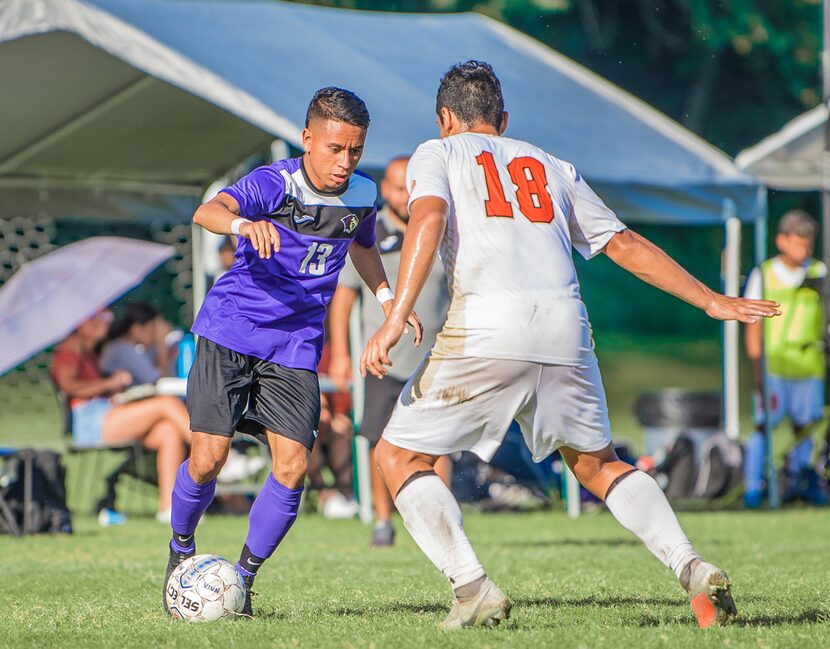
{"x": 187, "y": 352}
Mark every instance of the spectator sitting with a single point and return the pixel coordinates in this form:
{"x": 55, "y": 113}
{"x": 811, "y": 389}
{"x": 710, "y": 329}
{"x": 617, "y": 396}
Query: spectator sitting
{"x": 160, "y": 423}
{"x": 136, "y": 344}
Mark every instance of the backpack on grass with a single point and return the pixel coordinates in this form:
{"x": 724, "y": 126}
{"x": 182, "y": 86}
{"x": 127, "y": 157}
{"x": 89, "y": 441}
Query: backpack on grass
{"x": 33, "y": 494}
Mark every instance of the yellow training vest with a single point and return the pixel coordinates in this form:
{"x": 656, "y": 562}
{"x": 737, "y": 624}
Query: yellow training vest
{"x": 793, "y": 341}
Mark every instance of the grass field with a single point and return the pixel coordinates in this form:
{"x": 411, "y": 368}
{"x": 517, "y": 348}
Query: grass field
{"x": 583, "y": 583}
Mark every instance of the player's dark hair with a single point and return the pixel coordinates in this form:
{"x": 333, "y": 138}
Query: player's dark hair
{"x": 472, "y": 91}
{"x": 134, "y": 313}
{"x": 338, "y": 105}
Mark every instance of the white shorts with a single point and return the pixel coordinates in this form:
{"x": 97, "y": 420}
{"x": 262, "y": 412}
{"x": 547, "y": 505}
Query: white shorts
{"x": 466, "y": 404}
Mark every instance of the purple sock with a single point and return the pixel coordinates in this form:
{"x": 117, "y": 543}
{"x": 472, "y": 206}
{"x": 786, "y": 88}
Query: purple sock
{"x": 190, "y": 500}
{"x": 272, "y": 515}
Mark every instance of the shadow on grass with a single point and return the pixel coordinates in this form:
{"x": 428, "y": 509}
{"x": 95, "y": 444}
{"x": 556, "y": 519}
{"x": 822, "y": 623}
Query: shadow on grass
{"x": 395, "y": 608}
{"x": 593, "y": 600}
{"x": 761, "y": 621}
{"x": 608, "y": 543}
{"x": 811, "y": 615}
{"x": 273, "y": 615}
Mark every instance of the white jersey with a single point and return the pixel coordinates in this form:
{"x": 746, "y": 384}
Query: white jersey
{"x": 515, "y": 213}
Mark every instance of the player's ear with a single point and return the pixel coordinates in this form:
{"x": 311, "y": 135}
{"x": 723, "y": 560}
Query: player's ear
{"x": 306, "y": 138}
{"x": 503, "y": 125}
{"x": 447, "y": 122}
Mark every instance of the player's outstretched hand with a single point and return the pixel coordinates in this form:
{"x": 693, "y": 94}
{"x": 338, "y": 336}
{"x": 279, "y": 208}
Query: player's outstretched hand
{"x": 375, "y": 358}
{"x": 417, "y": 327}
{"x": 263, "y": 235}
{"x": 738, "y": 308}
{"x": 412, "y": 321}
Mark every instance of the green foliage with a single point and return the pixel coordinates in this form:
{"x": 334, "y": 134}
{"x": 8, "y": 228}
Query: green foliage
{"x": 731, "y": 70}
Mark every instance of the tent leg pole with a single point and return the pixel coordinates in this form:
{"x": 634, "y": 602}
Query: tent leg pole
{"x": 361, "y": 446}
{"x": 731, "y": 282}
{"x": 199, "y": 278}
{"x": 760, "y": 256}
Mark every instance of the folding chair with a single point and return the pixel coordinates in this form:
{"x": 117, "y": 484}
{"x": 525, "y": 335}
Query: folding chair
{"x": 136, "y": 457}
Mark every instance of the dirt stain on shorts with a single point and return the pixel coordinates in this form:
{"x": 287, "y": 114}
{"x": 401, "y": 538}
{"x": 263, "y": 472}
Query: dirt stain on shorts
{"x": 454, "y": 394}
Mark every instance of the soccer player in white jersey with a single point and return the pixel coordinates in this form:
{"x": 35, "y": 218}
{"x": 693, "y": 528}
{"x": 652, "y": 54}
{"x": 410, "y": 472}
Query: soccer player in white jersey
{"x": 517, "y": 341}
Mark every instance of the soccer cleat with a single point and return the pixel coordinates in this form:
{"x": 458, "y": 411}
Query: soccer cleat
{"x": 172, "y": 563}
{"x": 383, "y": 536}
{"x": 710, "y": 594}
{"x": 247, "y": 611}
{"x": 489, "y": 607}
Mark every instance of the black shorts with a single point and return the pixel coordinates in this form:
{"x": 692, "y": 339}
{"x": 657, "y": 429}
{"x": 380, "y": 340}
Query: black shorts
{"x": 223, "y": 382}
{"x": 379, "y": 401}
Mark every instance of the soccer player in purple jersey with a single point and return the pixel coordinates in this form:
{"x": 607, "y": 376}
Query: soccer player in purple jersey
{"x": 261, "y": 325}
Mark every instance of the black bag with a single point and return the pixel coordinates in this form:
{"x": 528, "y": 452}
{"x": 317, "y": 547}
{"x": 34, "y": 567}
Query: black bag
{"x": 721, "y": 467}
{"x": 720, "y": 470}
{"x": 678, "y": 469}
{"x": 33, "y": 494}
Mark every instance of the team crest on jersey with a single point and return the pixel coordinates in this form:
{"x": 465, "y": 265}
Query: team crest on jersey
{"x": 350, "y": 223}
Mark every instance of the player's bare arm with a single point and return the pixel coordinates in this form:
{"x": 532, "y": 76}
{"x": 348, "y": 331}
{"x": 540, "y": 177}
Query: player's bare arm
{"x": 428, "y": 219}
{"x": 340, "y": 308}
{"x": 651, "y": 264}
{"x": 219, "y": 214}
{"x": 368, "y": 265}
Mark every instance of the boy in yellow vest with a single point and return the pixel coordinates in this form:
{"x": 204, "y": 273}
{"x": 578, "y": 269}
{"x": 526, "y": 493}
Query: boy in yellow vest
{"x": 793, "y": 349}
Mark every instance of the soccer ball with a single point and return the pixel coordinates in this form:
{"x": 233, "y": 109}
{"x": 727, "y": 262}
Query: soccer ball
{"x": 205, "y": 588}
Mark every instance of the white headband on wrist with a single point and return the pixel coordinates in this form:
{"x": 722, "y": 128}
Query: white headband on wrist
{"x": 384, "y": 295}
{"x": 236, "y": 224}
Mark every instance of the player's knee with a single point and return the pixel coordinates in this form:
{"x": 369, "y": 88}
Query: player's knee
{"x": 206, "y": 461}
{"x": 291, "y": 471}
{"x": 392, "y": 460}
{"x": 384, "y": 456}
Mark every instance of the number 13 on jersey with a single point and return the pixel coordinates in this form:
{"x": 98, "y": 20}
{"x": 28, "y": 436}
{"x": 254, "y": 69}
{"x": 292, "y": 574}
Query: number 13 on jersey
{"x": 528, "y": 174}
{"x": 316, "y": 267}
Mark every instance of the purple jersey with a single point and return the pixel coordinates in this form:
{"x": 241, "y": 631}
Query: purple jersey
{"x": 274, "y": 309}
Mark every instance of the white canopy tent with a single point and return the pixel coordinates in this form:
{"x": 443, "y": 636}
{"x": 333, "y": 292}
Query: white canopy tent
{"x": 792, "y": 158}
{"x": 168, "y": 94}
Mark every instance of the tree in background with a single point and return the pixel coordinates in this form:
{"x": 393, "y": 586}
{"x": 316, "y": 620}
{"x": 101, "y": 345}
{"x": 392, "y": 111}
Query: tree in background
{"x": 732, "y": 71}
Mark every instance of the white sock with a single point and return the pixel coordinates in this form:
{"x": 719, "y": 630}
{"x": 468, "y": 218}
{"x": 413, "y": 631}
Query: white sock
{"x": 433, "y": 518}
{"x": 640, "y": 506}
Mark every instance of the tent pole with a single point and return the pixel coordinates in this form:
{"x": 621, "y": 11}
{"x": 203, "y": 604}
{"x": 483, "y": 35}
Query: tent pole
{"x": 760, "y": 256}
{"x": 731, "y": 285}
{"x": 199, "y": 277}
{"x": 360, "y": 458}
